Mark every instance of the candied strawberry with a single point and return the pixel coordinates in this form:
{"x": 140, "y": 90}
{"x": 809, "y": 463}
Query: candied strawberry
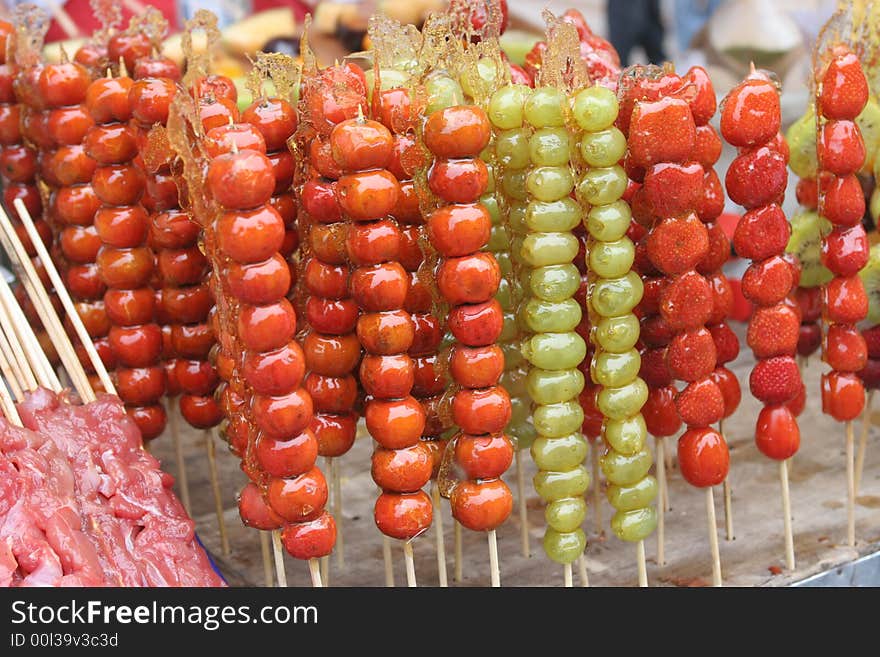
{"x": 872, "y": 341}
{"x": 719, "y": 250}
{"x": 842, "y": 199}
{"x": 870, "y": 374}
{"x": 678, "y": 244}
{"x": 672, "y": 189}
{"x": 730, "y": 389}
{"x": 691, "y": 355}
{"x": 844, "y": 89}
{"x": 642, "y": 211}
{"x": 711, "y": 203}
{"x": 654, "y": 371}
{"x": 653, "y": 290}
{"x": 773, "y": 331}
{"x": 703, "y": 104}
{"x": 807, "y": 193}
{"x": 707, "y": 146}
{"x": 726, "y": 343}
{"x": 661, "y": 416}
{"x": 767, "y": 282}
{"x": 779, "y": 145}
{"x": 796, "y": 404}
{"x": 700, "y": 403}
{"x": 845, "y": 250}
{"x": 795, "y": 263}
{"x": 660, "y": 131}
{"x": 809, "y": 300}
{"x": 686, "y": 303}
{"x": 750, "y": 113}
{"x": 703, "y": 457}
{"x": 845, "y": 349}
{"x": 775, "y": 380}
{"x": 643, "y": 90}
{"x": 642, "y": 264}
{"x": 776, "y": 432}
{"x": 756, "y": 178}
{"x": 844, "y": 300}
{"x": 809, "y": 338}
{"x": 843, "y": 396}
{"x": 840, "y": 148}
{"x": 722, "y": 298}
{"x": 761, "y": 233}
{"x": 593, "y": 417}
{"x": 634, "y": 172}
{"x": 636, "y": 232}
{"x": 656, "y": 332}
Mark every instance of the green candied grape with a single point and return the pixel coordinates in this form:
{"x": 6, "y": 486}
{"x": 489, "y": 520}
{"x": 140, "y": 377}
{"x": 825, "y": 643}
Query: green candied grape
{"x": 602, "y": 185}
{"x": 566, "y": 515}
{"x": 515, "y": 381}
{"x": 513, "y": 357}
{"x": 550, "y": 147}
{"x": 555, "y": 351}
{"x": 874, "y": 206}
{"x": 630, "y": 498}
{"x": 614, "y": 297}
{"x": 552, "y": 316}
{"x": 624, "y": 401}
{"x": 490, "y": 173}
{"x": 542, "y": 249}
{"x": 595, "y": 108}
{"x": 557, "y": 484}
{"x": 513, "y": 182}
{"x": 566, "y": 547}
{"x": 486, "y": 70}
{"x": 503, "y": 294}
{"x": 516, "y": 216}
{"x": 610, "y": 222}
{"x": 389, "y": 78}
{"x": 442, "y": 92}
{"x": 506, "y": 106}
{"x": 553, "y": 420}
{"x": 504, "y": 262}
{"x": 561, "y": 453}
{"x": 626, "y": 436}
{"x": 498, "y": 239}
{"x": 512, "y": 148}
{"x": 634, "y": 526}
{"x": 520, "y": 410}
{"x": 618, "y": 334}
{"x": 554, "y": 386}
{"x": 604, "y": 148}
{"x": 553, "y": 216}
{"x": 623, "y": 470}
{"x": 550, "y": 183}
{"x": 612, "y": 259}
{"x": 615, "y": 370}
{"x": 555, "y": 282}
{"x": 508, "y": 327}
{"x": 489, "y": 202}
{"x": 544, "y": 108}
{"x": 523, "y": 434}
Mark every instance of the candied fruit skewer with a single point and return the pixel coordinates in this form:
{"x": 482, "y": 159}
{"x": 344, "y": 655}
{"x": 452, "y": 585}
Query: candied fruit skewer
{"x": 842, "y": 92}
{"x": 614, "y": 291}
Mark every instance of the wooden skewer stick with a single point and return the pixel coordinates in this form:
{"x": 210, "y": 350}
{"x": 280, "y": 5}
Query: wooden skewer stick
{"x": 494, "y": 571}
{"x": 64, "y": 296}
{"x": 667, "y": 455}
{"x": 215, "y": 487}
{"x": 850, "y": 487}
{"x": 182, "y": 479}
{"x": 713, "y": 537}
{"x": 280, "y": 572}
{"x": 19, "y": 362}
{"x": 643, "y": 567}
{"x": 410, "y": 564}
{"x": 438, "y": 528}
{"x": 863, "y": 441}
{"x": 268, "y": 577}
{"x": 728, "y": 508}
{"x": 6, "y": 403}
{"x": 523, "y": 507}
{"x": 386, "y": 556}
{"x": 315, "y": 572}
{"x": 567, "y": 579}
{"x": 336, "y": 480}
{"x": 457, "y": 550}
{"x": 786, "y": 515}
{"x": 20, "y": 331}
{"x": 597, "y": 497}
{"x": 64, "y": 20}
{"x": 659, "y": 451}
{"x": 582, "y": 571}
{"x": 325, "y": 570}
{"x": 11, "y": 370}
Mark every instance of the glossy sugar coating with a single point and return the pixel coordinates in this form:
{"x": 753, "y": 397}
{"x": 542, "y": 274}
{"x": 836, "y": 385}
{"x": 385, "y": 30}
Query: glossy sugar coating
{"x": 613, "y": 293}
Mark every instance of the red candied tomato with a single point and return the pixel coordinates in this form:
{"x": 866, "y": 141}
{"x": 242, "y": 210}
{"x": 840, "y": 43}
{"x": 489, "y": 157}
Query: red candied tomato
{"x": 403, "y": 515}
{"x": 275, "y": 118}
{"x": 481, "y": 505}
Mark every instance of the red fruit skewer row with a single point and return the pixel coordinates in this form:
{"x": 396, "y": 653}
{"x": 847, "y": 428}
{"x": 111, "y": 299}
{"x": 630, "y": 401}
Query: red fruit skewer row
{"x": 661, "y": 143}
{"x": 842, "y": 94}
{"x": 468, "y": 279}
{"x": 756, "y": 179}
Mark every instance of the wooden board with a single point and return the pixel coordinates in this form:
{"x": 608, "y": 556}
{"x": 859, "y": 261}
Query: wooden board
{"x": 818, "y": 491}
